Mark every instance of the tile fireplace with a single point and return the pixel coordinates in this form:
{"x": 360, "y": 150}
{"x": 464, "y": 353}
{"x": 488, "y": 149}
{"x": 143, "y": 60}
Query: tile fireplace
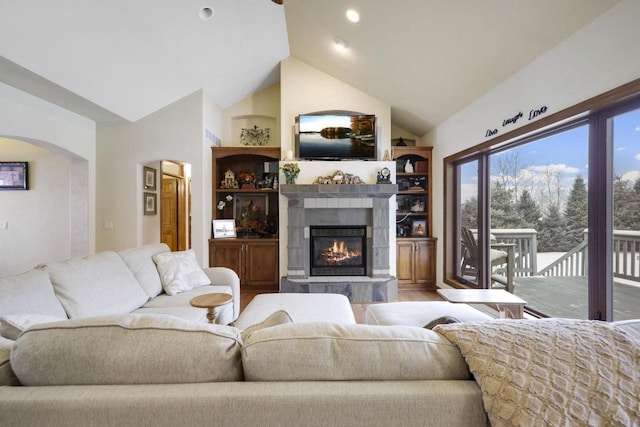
{"x": 361, "y": 214}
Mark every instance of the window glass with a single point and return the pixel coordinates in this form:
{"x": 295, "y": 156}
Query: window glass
{"x": 468, "y": 208}
{"x": 626, "y": 215}
{"x": 538, "y": 222}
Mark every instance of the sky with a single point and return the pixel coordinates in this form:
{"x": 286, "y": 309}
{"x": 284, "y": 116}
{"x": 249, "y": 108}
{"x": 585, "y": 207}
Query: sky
{"x": 317, "y": 123}
{"x": 567, "y": 153}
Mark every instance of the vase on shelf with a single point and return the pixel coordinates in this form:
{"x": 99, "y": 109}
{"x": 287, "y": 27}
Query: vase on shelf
{"x": 291, "y": 178}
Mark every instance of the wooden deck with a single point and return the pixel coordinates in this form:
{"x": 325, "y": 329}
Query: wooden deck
{"x": 567, "y": 296}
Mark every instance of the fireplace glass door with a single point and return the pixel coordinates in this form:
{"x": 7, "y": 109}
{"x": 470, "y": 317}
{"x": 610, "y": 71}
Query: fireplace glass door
{"x": 338, "y": 250}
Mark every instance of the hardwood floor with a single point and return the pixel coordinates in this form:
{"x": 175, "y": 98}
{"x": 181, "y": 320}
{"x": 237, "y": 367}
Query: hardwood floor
{"x": 359, "y": 309}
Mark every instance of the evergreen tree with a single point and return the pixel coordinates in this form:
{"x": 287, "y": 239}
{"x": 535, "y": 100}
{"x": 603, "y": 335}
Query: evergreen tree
{"x": 503, "y": 212}
{"x": 626, "y": 202}
{"x": 576, "y": 213}
{"x": 529, "y": 211}
{"x": 551, "y": 237}
{"x": 469, "y": 213}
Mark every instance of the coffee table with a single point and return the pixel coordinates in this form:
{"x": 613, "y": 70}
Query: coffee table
{"x": 211, "y": 302}
{"x": 508, "y": 304}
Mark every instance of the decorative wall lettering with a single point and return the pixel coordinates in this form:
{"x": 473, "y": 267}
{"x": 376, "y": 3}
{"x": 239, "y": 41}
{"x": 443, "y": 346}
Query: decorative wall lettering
{"x": 535, "y": 113}
{"x": 512, "y": 120}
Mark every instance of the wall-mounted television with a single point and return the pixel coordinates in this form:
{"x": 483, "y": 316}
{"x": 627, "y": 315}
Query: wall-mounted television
{"x": 348, "y": 136}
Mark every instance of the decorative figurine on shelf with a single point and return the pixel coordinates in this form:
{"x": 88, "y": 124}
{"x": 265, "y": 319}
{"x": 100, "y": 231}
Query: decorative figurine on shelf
{"x": 338, "y": 178}
{"x": 229, "y": 180}
{"x": 384, "y": 176}
{"x": 291, "y": 171}
{"x": 247, "y": 180}
{"x": 408, "y": 167}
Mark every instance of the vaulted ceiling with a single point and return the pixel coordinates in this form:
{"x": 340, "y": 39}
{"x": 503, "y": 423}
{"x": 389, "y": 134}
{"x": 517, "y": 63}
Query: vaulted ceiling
{"x": 125, "y": 59}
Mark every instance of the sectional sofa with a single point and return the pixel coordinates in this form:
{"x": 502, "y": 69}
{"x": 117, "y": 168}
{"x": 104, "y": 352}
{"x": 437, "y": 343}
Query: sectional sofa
{"x": 275, "y": 367}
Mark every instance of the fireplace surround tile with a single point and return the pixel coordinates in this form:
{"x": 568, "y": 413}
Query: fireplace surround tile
{"x": 364, "y": 204}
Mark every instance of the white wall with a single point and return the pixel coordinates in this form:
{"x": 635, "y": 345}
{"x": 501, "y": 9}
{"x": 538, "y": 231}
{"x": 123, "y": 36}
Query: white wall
{"x": 174, "y": 133}
{"x": 601, "y": 56}
{"x": 262, "y": 109}
{"x": 38, "y": 218}
{"x": 304, "y": 89}
{"x": 63, "y": 200}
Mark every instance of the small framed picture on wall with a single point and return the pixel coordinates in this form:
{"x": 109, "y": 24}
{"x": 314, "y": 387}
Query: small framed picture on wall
{"x": 149, "y": 178}
{"x": 149, "y": 201}
{"x": 14, "y": 176}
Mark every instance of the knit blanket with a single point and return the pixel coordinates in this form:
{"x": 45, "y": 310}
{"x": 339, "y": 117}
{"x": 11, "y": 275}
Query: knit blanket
{"x": 552, "y": 372}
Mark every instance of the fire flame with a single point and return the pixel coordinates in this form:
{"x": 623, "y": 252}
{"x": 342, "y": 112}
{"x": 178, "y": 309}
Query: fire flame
{"x": 339, "y": 252}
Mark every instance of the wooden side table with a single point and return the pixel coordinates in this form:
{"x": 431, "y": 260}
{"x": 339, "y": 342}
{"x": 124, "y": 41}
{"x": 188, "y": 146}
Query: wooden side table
{"x": 506, "y": 302}
{"x": 211, "y": 302}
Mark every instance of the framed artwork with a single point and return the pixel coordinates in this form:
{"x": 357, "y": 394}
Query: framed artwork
{"x": 150, "y": 207}
{"x": 14, "y": 176}
{"x": 419, "y": 228}
{"x": 223, "y": 228}
{"x": 252, "y": 206}
{"x": 149, "y": 178}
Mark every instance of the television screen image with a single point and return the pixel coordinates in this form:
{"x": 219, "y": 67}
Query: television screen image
{"x": 336, "y": 137}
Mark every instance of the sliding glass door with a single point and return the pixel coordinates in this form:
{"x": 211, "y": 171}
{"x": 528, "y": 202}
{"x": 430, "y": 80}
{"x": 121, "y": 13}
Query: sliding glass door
{"x": 625, "y": 135}
{"x": 553, "y": 216}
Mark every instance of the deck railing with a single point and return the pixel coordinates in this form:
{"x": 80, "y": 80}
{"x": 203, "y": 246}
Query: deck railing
{"x": 626, "y": 258}
{"x": 526, "y": 243}
{"x": 573, "y": 263}
{"x": 626, "y": 254}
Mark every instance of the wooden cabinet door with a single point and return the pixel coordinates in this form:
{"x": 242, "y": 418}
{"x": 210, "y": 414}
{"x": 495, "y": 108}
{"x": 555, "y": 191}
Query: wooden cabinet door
{"x": 404, "y": 261}
{"x": 262, "y": 264}
{"x": 227, "y": 255}
{"x": 422, "y": 270}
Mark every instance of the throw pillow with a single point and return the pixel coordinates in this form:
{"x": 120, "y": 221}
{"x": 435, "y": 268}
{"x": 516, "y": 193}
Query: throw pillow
{"x": 280, "y": 317}
{"x": 556, "y": 372}
{"x": 179, "y": 271}
{"x": 12, "y": 325}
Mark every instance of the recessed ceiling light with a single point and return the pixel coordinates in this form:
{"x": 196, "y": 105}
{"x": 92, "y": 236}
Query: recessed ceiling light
{"x": 205, "y": 13}
{"x": 353, "y": 16}
{"x": 341, "y": 44}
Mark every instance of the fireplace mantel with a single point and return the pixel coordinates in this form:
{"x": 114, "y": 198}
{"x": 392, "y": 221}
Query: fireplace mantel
{"x": 313, "y": 191}
{"x": 342, "y": 205}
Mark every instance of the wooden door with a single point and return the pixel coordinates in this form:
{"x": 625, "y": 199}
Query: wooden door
{"x": 169, "y": 213}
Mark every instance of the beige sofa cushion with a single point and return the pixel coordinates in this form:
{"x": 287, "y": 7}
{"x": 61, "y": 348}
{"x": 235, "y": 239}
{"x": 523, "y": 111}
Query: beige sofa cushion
{"x": 7, "y": 377}
{"x": 12, "y": 325}
{"x": 140, "y": 262}
{"x": 280, "y": 317}
{"x": 127, "y": 349}
{"x": 317, "y": 351}
{"x": 30, "y": 292}
{"x": 95, "y": 285}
